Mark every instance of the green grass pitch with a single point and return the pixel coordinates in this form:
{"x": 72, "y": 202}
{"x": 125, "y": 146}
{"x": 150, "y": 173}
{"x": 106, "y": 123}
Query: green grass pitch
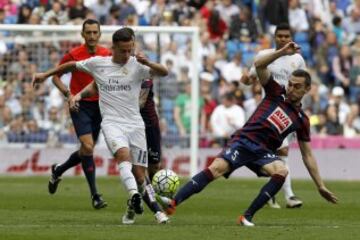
{"x": 27, "y": 211}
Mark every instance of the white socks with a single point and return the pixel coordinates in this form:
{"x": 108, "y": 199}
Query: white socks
{"x": 287, "y": 184}
{"x": 127, "y": 177}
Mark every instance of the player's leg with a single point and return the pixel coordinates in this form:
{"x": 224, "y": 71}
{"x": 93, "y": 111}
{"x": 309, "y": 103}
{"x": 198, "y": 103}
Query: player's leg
{"x": 58, "y": 169}
{"x": 83, "y": 127}
{"x": 198, "y": 182}
{"x": 153, "y": 141}
{"x": 134, "y": 206}
{"x": 278, "y": 171}
{"x": 140, "y": 159}
{"x": 89, "y": 168}
{"x": 227, "y": 161}
{"x": 291, "y": 200}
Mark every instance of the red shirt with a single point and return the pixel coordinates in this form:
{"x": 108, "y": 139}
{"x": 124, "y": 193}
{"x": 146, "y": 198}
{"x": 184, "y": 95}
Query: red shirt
{"x": 79, "y": 79}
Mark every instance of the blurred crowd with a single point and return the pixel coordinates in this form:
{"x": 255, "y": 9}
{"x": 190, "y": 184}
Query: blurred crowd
{"x": 231, "y": 33}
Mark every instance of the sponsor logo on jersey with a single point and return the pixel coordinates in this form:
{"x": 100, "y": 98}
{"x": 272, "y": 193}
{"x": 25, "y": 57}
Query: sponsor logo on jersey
{"x": 280, "y": 120}
{"x": 124, "y": 71}
{"x": 115, "y": 88}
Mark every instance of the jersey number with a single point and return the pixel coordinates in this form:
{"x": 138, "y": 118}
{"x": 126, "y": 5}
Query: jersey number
{"x": 142, "y": 157}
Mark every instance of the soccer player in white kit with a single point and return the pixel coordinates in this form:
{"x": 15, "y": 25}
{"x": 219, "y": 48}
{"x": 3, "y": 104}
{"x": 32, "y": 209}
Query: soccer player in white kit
{"x": 118, "y": 79}
{"x": 281, "y": 70}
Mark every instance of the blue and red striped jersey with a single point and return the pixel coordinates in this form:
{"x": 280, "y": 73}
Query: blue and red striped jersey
{"x": 274, "y": 119}
{"x": 148, "y": 111}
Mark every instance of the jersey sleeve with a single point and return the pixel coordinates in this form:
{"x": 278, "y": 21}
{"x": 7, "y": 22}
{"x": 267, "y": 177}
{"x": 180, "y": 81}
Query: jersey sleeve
{"x": 302, "y": 64}
{"x": 272, "y": 88}
{"x": 252, "y": 72}
{"x": 87, "y": 65}
{"x": 144, "y": 72}
{"x": 303, "y": 133}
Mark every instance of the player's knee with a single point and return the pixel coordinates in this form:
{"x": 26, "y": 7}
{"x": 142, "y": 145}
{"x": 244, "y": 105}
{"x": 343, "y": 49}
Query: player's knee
{"x": 219, "y": 167}
{"x": 282, "y": 171}
{"x": 283, "y": 151}
{"x": 87, "y": 148}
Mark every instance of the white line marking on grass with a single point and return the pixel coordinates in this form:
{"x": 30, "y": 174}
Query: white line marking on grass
{"x": 143, "y": 225}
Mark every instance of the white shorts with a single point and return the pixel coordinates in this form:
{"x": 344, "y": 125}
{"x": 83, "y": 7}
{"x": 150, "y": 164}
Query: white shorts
{"x": 118, "y": 136}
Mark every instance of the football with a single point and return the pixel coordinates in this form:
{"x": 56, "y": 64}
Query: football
{"x": 166, "y": 182}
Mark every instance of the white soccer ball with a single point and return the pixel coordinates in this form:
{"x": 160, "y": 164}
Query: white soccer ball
{"x": 166, "y": 182}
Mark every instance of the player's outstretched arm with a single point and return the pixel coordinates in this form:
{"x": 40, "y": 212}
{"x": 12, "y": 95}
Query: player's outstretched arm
{"x": 262, "y": 62}
{"x": 61, "y": 86}
{"x": 157, "y": 69}
{"x": 312, "y": 167}
{"x": 88, "y": 91}
{"x": 41, "y": 77}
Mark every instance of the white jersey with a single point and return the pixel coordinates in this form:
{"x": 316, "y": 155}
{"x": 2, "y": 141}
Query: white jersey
{"x": 282, "y": 68}
{"x": 119, "y": 88}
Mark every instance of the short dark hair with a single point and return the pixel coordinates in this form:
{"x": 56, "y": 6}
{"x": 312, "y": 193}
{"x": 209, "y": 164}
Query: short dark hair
{"x": 304, "y": 74}
{"x": 124, "y": 34}
{"x": 282, "y": 26}
{"x": 90, "y": 21}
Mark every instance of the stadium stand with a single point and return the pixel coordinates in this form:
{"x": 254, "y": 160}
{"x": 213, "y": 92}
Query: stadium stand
{"x": 228, "y": 29}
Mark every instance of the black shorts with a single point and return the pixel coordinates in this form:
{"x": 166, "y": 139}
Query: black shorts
{"x": 246, "y": 153}
{"x": 87, "y": 119}
{"x": 153, "y": 141}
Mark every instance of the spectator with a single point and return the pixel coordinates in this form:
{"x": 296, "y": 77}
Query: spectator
{"x": 355, "y": 81}
{"x": 324, "y": 56}
{"x": 127, "y": 13}
{"x": 333, "y": 125}
{"x": 243, "y": 27}
{"x": 337, "y": 99}
{"x": 56, "y": 14}
{"x": 313, "y": 103}
{"x": 352, "y": 22}
{"x": 352, "y": 125}
{"x": 251, "y": 103}
{"x": 77, "y": 13}
{"x": 206, "y": 83}
{"x": 339, "y": 30}
{"x": 101, "y": 10}
{"x": 227, "y": 9}
{"x": 113, "y": 18}
{"x": 206, "y": 46}
{"x": 182, "y": 110}
{"x": 216, "y": 26}
{"x": 341, "y": 66}
{"x": 24, "y": 14}
{"x": 226, "y": 119}
{"x": 297, "y": 17}
{"x": 232, "y": 71}
{"x": 32, "y": 133}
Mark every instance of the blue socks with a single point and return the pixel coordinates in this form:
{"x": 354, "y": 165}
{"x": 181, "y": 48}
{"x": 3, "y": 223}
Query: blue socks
{"x": 195, "y": 185}
{"x": 269, "y": 190}
{"x": 72, "y": 161}
{"x": 88, "y": 166}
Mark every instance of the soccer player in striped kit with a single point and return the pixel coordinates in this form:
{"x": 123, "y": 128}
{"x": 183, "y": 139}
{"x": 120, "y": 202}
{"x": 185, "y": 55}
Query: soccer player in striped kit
{"x": 281, "y": 70}
{"x": 255, "y": 145}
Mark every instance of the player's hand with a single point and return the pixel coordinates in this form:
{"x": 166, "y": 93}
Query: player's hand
{"x": 38, "y": 78}
{"x": 325, "y": 193}
{"x": 291, "y": 48}
{"x": 74, "y": 102}
{"x": 141, "y": 58}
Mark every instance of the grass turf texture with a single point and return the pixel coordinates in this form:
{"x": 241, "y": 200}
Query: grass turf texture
{"x": 27, "y": 211}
